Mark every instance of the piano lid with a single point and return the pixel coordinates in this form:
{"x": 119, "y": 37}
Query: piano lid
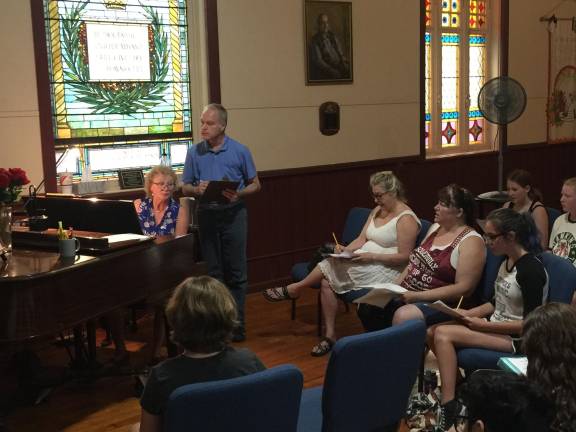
{"x": 90, "y": 214}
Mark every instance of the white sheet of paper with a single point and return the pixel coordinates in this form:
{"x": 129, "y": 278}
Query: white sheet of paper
{"x": 117, "y": 238}
{"x": 380, "y": 294}
{"x": 345, "y": 255}
{"x": 439, "y": 305}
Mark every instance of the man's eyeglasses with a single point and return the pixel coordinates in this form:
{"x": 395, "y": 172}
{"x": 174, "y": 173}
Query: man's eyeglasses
{"x": 491, "y": 237}
{"x": 164, "y": 185}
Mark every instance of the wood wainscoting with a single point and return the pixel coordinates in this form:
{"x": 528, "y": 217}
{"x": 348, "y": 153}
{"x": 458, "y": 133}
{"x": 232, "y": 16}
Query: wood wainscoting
{"x": 298, "y": 209}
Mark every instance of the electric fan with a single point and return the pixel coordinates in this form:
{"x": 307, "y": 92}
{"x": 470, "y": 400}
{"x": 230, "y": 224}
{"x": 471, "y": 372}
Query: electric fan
{"x": 501, "y": 101}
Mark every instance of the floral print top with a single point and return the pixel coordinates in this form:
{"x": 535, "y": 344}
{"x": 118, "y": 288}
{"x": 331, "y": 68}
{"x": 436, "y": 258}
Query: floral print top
{"x": 148, "y": 223}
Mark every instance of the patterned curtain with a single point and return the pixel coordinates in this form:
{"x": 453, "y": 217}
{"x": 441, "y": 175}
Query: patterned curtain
{"x": 562, "y": 82}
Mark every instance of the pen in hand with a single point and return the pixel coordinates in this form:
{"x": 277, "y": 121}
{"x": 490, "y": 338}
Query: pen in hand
{"x": 337, "y": 247}
{"x": 460, "y": 302}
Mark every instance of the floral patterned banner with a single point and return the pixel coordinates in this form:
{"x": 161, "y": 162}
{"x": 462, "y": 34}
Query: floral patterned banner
{"x": 562, "y": 82}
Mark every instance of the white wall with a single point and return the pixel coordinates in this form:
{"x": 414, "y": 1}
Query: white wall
{"x": 276, "y": 114}
{"x": 19, "y": 122}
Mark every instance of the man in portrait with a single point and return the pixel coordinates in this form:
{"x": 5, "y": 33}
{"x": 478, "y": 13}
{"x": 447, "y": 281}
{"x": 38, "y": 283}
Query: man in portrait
{"x": 326, "y": 56}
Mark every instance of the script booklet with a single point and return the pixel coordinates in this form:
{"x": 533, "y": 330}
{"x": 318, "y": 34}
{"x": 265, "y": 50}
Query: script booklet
{"x": 439, "y": 305}
{"x": 381, "y": 294}
{"x": 345, "y": 255}
{"x": 213, "y": 192}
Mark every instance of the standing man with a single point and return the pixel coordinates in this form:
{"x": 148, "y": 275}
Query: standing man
{"x": 223, "y": 227}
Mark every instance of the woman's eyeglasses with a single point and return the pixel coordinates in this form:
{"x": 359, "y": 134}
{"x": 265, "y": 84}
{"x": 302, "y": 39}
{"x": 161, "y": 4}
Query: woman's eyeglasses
{"x": 164, "y": 185}
{"x": 491, "y": 237}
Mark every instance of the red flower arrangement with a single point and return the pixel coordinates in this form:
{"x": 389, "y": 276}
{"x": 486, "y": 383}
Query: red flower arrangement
{"x": 11, "y": 182}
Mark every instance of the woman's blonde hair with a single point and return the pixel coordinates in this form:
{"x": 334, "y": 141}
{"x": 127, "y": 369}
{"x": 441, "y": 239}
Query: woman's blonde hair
{"x": 389, "y": 183}
{"x": 158, "y": 170}
{"x": 202, "y": 314}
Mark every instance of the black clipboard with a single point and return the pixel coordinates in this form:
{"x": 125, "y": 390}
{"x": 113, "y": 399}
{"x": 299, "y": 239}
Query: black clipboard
{"x": 213, "y": 192}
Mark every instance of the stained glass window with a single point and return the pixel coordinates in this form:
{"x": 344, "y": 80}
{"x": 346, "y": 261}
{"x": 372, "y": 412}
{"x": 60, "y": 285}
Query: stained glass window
{"x": 119, "y": 81}
{"x": 456, "y": 65}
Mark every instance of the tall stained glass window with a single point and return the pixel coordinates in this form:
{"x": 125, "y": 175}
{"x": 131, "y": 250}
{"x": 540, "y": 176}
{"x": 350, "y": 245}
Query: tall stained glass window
{"x": 456, "y": 66}
{"x": 119, "y": 82}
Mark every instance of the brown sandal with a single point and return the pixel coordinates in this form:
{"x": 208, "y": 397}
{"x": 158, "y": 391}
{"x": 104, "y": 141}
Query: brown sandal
{"x": 277, "y": 294}
{"x": 323, "y": 347}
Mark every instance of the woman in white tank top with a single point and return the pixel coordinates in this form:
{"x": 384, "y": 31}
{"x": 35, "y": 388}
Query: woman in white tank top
{"x": 378, "y": 255}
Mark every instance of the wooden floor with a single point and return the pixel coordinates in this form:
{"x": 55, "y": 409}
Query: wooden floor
{"x": 109, "y": 404}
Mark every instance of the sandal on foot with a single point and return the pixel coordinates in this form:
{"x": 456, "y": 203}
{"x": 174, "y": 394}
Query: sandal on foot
{"x": 277, "y": 294}
{"x": 322, "y": 348}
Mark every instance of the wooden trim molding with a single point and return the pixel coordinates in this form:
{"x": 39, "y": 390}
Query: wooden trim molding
{"x": 43, "y": 91}
{"x": 213, "y": 49}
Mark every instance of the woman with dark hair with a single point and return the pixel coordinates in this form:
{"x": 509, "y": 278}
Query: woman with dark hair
{"x": 202, "y": 314}
{"x": 377, "y": 256}
{"x": 446, "y": 266}
{"x": 525, "y": 198}
{"x": 497, "y": 401}
{"x": 549, "y": 342}
{"x": 520, "y": 287}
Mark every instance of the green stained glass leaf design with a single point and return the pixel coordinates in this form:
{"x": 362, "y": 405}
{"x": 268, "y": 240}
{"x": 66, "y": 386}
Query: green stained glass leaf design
{"x": 114, "y": 97}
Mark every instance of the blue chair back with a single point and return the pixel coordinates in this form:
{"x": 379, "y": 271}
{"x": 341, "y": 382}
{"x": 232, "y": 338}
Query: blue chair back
{"x": 424, "y": 227}
{"x": 485, "y": 287}
{"x": 553, "y": 214}
{"x": 562, "y": 278}
{"x": 357, "y": 217}
{"x": 367, "y": 382}
{"x": 263, "y": 402}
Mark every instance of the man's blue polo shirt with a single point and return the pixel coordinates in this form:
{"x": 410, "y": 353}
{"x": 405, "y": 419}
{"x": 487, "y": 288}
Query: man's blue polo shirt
{"x": 233, "y": 161}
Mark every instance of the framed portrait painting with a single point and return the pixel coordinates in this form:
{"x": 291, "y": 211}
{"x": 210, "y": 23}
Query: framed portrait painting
{"x": 328, "y": 36}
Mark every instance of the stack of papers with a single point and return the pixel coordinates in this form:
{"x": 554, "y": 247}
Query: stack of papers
{"x": 443, "y": 307}
{"x": 518, "y": 365}
{"x": 120, "y": 238}
{"x": 380, "y": 294}
{"x": 345, "y": 255}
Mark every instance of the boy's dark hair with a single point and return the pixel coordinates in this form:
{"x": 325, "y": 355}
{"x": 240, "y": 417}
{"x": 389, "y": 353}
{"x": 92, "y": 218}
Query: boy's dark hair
{"x": 505, "y": 402}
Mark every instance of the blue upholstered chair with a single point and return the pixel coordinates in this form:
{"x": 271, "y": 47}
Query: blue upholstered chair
{"x": 266, "y": 401}
{"x": 357, "y": 217}
{"x": 367, "y": 382}
{"x": 561, "y": 284}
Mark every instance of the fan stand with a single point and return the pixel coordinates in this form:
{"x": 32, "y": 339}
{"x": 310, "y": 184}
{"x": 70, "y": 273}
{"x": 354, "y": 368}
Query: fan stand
{"x": 499, "y": 196}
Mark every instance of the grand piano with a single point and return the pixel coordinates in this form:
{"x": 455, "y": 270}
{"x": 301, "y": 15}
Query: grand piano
{"x": 41, "y": 294}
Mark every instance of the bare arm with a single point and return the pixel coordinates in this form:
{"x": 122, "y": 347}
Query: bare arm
{"x": 359, "y": 241}
{"x": 406, "y": 230}
{"x": 470, "y": 265}
{"x": 183, "y": 221}
{"x": 188, "y": 189}
{"x": 150, "y": 422}
{"x": 252, "y": 186}
{"x": 540, "y": 216}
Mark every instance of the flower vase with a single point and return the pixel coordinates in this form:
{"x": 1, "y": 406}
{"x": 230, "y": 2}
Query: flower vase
{"x": 6, "y": 227}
